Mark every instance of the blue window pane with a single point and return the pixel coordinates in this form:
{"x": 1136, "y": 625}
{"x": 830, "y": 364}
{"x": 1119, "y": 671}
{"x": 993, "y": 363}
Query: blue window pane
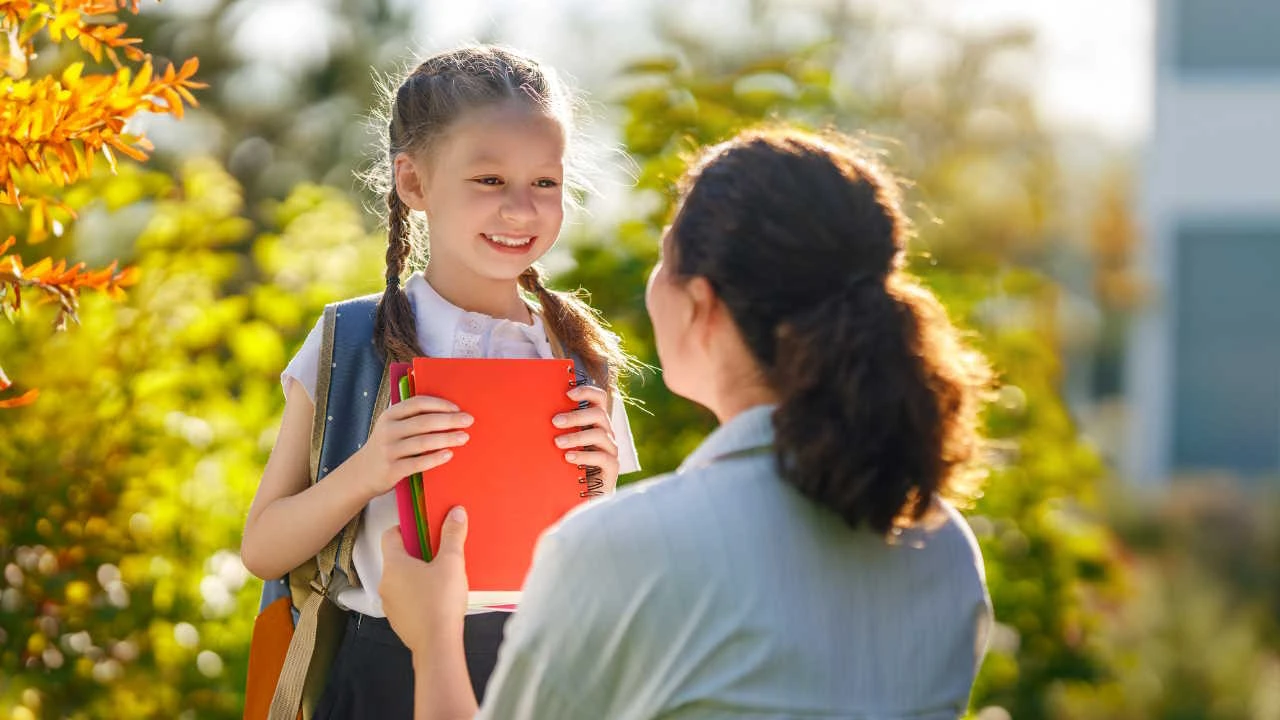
{"x": 1227, "y": 362}
{"x": 1228, "y": 35}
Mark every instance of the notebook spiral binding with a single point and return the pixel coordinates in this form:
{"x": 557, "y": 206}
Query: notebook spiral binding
{"x": 591, "y": 476}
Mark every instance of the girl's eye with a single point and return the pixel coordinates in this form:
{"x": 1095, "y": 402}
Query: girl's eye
{"x": 490, "y": 180}
{"x": 547, "y": 183}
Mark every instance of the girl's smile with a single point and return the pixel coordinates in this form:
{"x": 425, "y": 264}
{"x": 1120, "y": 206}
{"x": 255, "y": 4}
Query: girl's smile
{"x": 510, "y": 244}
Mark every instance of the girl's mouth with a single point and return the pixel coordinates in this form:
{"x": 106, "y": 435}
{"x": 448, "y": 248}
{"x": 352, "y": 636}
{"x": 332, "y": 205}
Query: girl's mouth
{"x": 510, "y": 243}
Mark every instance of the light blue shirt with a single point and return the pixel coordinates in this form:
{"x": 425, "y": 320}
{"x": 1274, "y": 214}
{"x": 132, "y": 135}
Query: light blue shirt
{"x": 719, "y": 591}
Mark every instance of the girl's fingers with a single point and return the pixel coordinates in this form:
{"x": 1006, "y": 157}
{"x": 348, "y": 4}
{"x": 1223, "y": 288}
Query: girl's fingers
{"x": 600, "y": 438}
{"x": 421, "y": 463}
{"x": 590, "y": 393}
{"x": 583, "y": 418}
{"x": 607, "y": 463}
{"x": 419, "y": 404}
{"x": 420, "y": 444}
{"x": 430, "y": 423}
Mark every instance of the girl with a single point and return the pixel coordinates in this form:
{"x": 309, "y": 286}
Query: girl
{"x": 477, "y": 142}
{"x": 804, "y": 561}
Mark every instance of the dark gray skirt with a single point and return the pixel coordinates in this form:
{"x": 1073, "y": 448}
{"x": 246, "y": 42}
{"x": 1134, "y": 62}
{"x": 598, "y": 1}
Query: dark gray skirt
{"x": 372, "y": 675}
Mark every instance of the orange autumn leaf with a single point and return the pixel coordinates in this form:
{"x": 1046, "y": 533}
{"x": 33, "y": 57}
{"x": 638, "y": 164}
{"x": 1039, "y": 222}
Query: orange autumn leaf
{"x": 24, "y": 399}
{"x": 59, "y": 283}
{"x": 53, "y": 126}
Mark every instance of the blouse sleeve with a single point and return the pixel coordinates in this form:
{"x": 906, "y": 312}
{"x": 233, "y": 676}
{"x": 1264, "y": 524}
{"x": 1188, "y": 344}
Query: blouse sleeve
{"x": 628, "y": 460}
{"x": 304, "y": 367}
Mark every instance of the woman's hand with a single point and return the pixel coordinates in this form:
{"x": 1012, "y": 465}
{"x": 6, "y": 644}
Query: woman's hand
{"x": 426, "y": 602}
{"x": 592, "y": 444}
{"x": 412, "y": 436}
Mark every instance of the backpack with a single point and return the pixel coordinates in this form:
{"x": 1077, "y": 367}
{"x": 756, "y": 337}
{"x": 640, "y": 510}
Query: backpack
{"x": 299, "y": 627}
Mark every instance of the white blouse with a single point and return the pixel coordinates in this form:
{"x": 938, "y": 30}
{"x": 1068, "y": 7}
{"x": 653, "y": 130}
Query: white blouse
{"x": 444, "y": 330}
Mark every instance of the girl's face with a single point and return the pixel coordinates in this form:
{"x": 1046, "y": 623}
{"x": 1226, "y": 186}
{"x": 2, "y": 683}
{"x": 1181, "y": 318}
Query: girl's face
{"x": 492, "y": 189}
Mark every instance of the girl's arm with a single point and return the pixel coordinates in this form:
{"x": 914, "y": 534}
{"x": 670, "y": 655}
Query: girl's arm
{"x": 291, "y": 520}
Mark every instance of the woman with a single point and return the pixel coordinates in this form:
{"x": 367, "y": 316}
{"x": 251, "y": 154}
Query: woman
{"x": 804, "y": 561}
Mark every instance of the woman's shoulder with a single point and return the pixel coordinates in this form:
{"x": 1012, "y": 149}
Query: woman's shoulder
{"x": 674, "y": 511}
{"x": 951, "y": 522}
{"x": 945, "y": 533}
{"x": 642, "y": 496}
{"x": 643, "y": 518}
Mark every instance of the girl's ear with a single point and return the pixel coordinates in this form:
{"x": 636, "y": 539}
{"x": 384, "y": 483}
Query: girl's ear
{"x": 411, "y": 182}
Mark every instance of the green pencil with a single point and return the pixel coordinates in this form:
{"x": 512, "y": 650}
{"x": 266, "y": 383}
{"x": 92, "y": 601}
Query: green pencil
{"x": 416, "y": 489}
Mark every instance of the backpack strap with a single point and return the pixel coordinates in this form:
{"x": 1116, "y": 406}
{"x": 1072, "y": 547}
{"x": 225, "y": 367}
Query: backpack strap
{"x": 351, "y": 390}
{"x": 357, "y": 393}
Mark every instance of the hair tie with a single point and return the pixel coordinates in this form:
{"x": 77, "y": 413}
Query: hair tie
{"x": 393, "y": 282}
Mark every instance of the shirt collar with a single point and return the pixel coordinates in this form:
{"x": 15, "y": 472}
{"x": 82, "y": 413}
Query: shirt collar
{"x": 435, "y": 317}
{"x": 752, "y": 428}
{"x": 437, "y": 320}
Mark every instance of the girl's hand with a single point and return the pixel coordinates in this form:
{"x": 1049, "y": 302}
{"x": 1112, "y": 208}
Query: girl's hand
{"x": 411, "y": 436}
{"x": 426, "y": 601}
{"x": 592, "y": 444}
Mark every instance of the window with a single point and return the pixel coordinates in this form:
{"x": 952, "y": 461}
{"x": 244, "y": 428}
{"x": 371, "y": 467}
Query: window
{"x": 1227, "y": 344}
{"x": 1227, "y": 35}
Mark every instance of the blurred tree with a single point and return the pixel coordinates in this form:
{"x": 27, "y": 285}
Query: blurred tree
{"x": 287, "y": 107}
{"x": 1113, "y": 241}
{"x": 124, "y": 489}
{"x": 53, "y": 126}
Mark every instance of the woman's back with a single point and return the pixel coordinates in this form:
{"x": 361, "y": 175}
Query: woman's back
{"x": 730, "y": 594}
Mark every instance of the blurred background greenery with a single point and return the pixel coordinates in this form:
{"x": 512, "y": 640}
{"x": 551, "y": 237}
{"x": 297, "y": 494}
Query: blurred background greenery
{"x": 123, "y": 489}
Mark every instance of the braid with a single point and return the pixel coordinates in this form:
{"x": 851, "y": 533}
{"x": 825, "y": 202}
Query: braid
{"x": 394, "y": 331}
{"x": 578, "y": 327}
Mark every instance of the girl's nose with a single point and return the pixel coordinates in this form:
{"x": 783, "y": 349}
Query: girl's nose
{"x": 517, "y": 205}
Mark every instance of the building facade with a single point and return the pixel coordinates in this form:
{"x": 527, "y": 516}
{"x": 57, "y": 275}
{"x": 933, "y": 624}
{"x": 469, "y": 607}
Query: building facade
{"x": 1203, "y": 371}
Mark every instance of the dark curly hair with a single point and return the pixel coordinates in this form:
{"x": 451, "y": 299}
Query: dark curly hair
{"x": 803, "y": 239}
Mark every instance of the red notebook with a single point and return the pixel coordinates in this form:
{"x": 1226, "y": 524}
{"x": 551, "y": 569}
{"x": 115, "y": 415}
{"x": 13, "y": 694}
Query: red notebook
{"x": 510, "y": 476}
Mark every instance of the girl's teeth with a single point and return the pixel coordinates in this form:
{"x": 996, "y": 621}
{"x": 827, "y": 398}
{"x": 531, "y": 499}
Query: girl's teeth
{"x": 509, "y": 241}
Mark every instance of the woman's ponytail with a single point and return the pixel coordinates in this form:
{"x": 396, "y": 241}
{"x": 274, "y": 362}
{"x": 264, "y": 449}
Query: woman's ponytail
{"x": 877, "y": 409}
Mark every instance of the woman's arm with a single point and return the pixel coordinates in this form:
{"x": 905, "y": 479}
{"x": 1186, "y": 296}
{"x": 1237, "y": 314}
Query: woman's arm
{"x": 560, "y": 657}
{"x": 427, "y": 605}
